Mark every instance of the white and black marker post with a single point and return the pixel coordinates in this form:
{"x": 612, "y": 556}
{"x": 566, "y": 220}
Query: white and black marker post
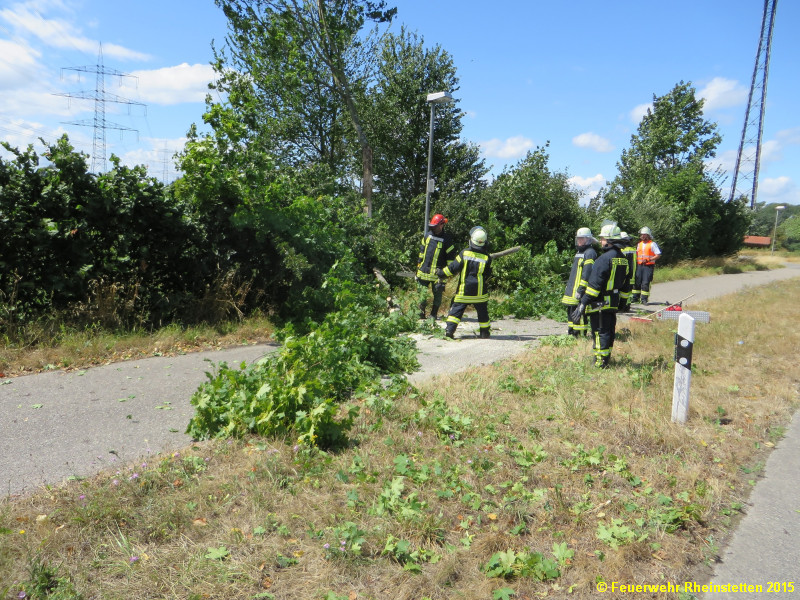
{"x": 684, "y": 341}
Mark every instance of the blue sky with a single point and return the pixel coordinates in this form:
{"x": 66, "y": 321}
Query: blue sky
{"x": 579, "y": 74}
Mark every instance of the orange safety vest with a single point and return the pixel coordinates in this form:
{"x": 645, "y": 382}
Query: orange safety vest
{"x": 645, "y": 254}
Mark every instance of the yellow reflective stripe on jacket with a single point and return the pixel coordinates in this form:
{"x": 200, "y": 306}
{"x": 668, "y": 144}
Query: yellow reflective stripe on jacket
{"x": 460, "y": 298}
{"x": 482, "y": 261}
{"x": 615, "y": 263}
{"x": 431, "y": 275}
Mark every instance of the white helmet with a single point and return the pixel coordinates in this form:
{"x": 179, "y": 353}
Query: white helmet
{"x": 646, "y": 231}
{"x": 610, "y": 232}
{"x": 585, "y": 232}
{"x": 477, "y": 236}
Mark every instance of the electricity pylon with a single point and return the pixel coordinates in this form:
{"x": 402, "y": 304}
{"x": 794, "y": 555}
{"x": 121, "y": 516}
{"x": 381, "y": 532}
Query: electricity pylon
{"x": 100, "y": 97}
{"x": 748, "y": 161}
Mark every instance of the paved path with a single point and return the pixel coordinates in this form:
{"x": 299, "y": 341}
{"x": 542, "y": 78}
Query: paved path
{"x": 61, "y": 424}
{"x": 75, "y": 423}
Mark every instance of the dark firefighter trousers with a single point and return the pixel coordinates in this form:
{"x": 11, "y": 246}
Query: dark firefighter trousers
{"x": 437, "y": 297}
{"x": 604, "y": 328}
{"x": 644, "y": 276}
{"x": 457, "y": 311}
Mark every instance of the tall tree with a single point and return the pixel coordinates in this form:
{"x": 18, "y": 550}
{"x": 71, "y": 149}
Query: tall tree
{"x": 306, "y": 58}
{"x": 397, "y": 120}
{"x": 664, "y": 183}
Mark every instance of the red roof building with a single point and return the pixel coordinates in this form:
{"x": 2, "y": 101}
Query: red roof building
{"x": 757, "y": 241}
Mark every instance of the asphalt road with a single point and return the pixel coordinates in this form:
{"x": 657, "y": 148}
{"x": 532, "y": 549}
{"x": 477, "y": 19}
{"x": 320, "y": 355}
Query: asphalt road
{"x": 61, "y": 424}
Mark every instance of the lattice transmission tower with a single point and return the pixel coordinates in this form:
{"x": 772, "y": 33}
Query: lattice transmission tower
{"x": 748, "y": 160}
{"x": 101, "y": 97}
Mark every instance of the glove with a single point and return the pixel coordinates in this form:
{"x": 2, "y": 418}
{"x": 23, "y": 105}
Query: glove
{"x": 438, "y": 286}
{"x": 440, "y": 274}
{"x": 577, "y": 313}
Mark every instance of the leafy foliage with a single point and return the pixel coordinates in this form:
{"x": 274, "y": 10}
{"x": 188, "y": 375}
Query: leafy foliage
{"x": 663, "y": 182}
{"x": 511, "y": 564}
{"x": 533, "y": 283}
{"x": 72, "y": 237}
{"x": 301, "y": 388}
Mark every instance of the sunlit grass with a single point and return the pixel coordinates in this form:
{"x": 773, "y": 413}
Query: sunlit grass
{"x": 539, "y": 454}
{"x": 53, "y": 345}
{"x": 715, "y": 266}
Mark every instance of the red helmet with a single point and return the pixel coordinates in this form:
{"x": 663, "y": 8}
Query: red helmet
{"x": 438, "y": 220}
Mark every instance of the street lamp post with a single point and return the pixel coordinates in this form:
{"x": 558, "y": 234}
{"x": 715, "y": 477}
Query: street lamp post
{"x": 433, "y": 100}
{"x": 778, "y": 209}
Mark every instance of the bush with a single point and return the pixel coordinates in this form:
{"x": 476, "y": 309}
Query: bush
{"x": 533, "y": 284}
{"x": 301, "y": 388}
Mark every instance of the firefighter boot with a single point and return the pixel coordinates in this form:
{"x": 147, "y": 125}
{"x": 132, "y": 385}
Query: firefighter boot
{"x": 635, "y": 299}
{"x": 450, "y": 331}
{"x": 484, "y": 333}
{"x": 601, "y": 362}
{"x": 645, "y": 298}
{"x": 435, "y": 312}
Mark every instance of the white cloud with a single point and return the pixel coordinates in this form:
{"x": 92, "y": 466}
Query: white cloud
{"x": 593, "y": 142}
{"x": 171, "y": 85}
{"x": 789, "y": 137}
{"x": 721, "y": 93}
{"x": 776, "y": 185}
{"x": 58, "y": 33}
{"x": 588, "y": 185}
{"x": 638, "y": 112}
{"x": 18, "y": 64}
{"x": 19, "y": 133}
{"x": 513, "y": 147}
{"x": 781, "y": 190}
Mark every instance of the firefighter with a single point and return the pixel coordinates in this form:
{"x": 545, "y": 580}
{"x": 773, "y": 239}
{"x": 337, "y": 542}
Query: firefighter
{"x": 435, "y": 251}
{"x": 582, "y": 264}
{"x": 608, "y": 281}
{"x": 474, "y": 267}
{"x": 629, "y": 250}
{"x": 647, "y": 253}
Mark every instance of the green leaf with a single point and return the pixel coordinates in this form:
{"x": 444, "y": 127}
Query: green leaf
{"x": 217, "y": 553}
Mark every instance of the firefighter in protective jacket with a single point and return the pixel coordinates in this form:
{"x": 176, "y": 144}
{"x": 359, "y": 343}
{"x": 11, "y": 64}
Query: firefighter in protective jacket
{"x": 609, "y": 280}
{"x": 582, "y": 265}
{"x": 474, "y": 267}
{"x": 629, "y": 250}
{"x": 435, "y": 251}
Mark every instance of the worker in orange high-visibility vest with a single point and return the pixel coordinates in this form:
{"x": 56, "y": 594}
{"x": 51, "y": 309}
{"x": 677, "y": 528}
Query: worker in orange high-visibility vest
{"x": 647, "y": 253}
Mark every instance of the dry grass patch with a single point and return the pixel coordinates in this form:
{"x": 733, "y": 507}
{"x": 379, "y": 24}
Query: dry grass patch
{"x": 45, "y": 346}
{"x": 539, "y": 475}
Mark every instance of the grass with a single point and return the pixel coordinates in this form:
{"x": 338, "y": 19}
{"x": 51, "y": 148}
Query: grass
{"x": 50, "y": 345}
{"x": 538, "y": 477}
{"x": 750, "y": 261}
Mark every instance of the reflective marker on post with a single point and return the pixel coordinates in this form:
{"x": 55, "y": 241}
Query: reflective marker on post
{"x": 684, "y": 342}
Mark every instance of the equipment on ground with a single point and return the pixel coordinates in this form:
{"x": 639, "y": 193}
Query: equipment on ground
{"x": 673, "y": 311}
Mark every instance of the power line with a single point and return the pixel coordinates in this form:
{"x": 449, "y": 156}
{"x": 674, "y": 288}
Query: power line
{"x": 748, "y": 160}
{"x": 100, "y": 97}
